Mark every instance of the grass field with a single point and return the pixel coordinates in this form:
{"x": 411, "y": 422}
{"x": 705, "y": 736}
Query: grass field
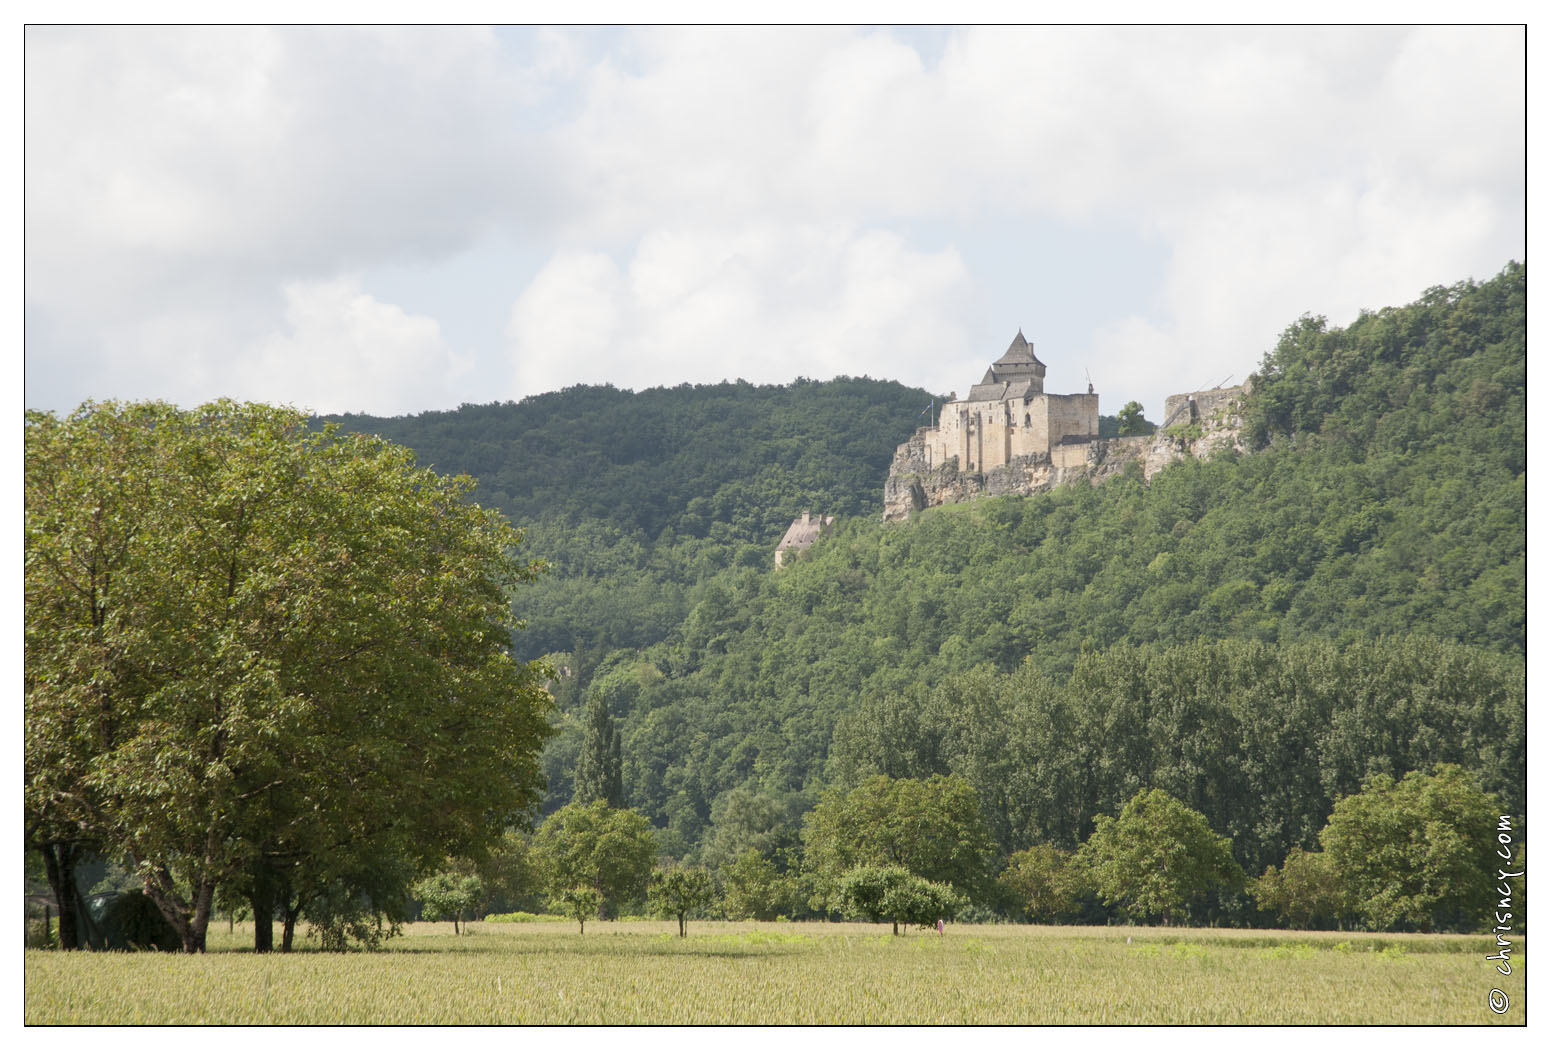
{"x": 793, "y": 973}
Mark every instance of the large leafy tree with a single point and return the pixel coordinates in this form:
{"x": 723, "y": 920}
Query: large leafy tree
{"x": 1415, "y": 852}
{"x": 266, "y": 656}
{"x": 1156, "y": 856}
{"x": 596, "y": 846}
{"x": 932, "y": 828}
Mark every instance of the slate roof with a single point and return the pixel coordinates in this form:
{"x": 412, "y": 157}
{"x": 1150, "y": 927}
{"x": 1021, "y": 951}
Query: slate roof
{"x": 1016, "y": 374}
{"x": 1019, "y": 352}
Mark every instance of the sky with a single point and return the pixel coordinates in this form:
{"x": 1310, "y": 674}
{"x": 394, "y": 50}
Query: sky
{"x": 398, "y": 220}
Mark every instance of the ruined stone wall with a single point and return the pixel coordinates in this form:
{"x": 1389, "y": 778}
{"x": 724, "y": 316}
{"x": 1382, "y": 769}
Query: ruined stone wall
{"x": 1206, "y": 406}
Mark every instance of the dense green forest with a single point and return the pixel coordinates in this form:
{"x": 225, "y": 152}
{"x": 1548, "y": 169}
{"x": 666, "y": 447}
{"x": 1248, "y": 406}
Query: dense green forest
{"x": 636, "y": 499}
{"x": 1257, "y": 634}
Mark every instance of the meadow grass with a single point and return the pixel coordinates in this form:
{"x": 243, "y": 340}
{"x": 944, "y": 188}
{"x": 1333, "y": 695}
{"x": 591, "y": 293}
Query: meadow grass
{"x": 748, "y": 973}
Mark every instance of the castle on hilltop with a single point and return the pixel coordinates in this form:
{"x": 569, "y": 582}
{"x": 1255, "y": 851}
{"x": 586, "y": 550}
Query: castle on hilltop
{"x": 1008, "y": 415}
{"x": 1009, "y": 436}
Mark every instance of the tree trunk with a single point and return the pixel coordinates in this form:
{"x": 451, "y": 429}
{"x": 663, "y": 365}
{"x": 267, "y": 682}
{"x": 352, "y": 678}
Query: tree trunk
{"x": 681, "y": 925}
{"x": 290, "y": 912}
{"x": 262, "y": 900}
{"x": 59, "y": 864}
{"x": 199, "y": 923}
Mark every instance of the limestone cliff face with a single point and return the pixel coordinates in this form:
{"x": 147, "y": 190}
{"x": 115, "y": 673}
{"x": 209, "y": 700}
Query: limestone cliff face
{"x": 1206, "y": 422}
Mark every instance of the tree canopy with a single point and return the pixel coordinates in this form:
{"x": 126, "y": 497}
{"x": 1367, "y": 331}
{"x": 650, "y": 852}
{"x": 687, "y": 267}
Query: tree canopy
{"x": 932, "y": 828}
{"x": 593, "y": 845}
{"x": 895, "y": 895}
{"x": 1414, "y": 853}
{"x": 1156, "y": 855}
{"x": 264, "y": 655}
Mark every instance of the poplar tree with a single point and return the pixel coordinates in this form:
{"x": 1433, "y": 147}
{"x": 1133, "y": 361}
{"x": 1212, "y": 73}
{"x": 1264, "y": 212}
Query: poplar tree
{"x": 598, "y": 774}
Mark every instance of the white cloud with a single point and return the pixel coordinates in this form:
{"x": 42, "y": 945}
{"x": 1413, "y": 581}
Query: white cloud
{"x": 343, "y": 350}
{"x": 720, "y": 202}
{"x": 765, "y": 303}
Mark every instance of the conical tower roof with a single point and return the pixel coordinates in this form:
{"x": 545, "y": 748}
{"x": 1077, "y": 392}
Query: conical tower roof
{"x": 1019, "y": 352}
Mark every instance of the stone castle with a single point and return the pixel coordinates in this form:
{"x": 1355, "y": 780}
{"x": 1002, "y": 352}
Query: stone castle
{"x": 1008, "y": 416}
{"x": 1009, "y": 436}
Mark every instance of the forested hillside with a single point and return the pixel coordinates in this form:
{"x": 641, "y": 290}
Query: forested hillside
{"x": 1257, "y": 634}
{"x": 635, "y": 498}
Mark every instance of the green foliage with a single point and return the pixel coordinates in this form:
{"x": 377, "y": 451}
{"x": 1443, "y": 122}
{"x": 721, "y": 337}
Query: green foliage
{"x": 598, "y": 764}
{"x": 1129, "y": 421}
{"x": 580, "y": 903}
{"x": 266, "y": 656}
{"x": 1044, "y": 882}
{"x": 365, "y": 911}
{"x": 754, "y": 888}
{"x": 895, "y": 895}
{"x": 511, "y": 876}
{"x": 1415, "y": 854}
{"x": 636, "y": 498}
{"x": 743, "y": 819}
{"x": 1260, "y": 739}
{"x": 523, "y": 917}
{"x": 1306, "y": 892}
{"x": 449, "y": 895}
{"x": 594, "y": 845}
{"x": 1156, "y": 856}
{"x": 931, "y": 828}
{"x": 678, "y": 892}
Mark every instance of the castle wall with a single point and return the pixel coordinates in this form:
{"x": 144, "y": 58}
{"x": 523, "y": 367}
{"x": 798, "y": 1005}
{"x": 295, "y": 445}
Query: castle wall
{"x": 1071, "y": 415}
{"x": 985, "y": 435}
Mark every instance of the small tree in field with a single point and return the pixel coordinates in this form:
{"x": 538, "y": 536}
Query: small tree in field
{"x": 933, "y": 828}
{"x": 581, "y": 904}
{"x": 679, "y": 892}
{"x": 894, "y": 895}
{"x": 449, "y": 896}
{"x": 597, "y": 846}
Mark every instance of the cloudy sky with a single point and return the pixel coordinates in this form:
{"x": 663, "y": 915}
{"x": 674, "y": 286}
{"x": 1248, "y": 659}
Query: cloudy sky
{"x": 395, "y": 221}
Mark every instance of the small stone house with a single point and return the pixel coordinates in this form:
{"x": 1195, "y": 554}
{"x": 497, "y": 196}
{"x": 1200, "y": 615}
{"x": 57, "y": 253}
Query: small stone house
{"x": 801, "y": 535}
